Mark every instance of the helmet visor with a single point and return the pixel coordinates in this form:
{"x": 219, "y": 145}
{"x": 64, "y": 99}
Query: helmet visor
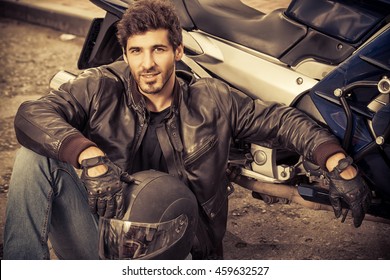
{"x": 130, "y": 240}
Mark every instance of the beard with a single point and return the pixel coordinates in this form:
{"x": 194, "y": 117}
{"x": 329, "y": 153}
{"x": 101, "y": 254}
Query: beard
{"x": 153, "y": 80}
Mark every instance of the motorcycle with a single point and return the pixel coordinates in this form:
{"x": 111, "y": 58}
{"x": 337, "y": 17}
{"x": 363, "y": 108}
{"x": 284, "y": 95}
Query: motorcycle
{"x": 328, "y": 58}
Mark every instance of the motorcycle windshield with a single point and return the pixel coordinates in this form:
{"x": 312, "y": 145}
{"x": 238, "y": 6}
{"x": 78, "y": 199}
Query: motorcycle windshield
{"x": 125, "y": 240}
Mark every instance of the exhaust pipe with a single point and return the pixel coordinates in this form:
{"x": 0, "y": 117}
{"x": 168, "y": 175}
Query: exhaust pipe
{"x": 279, "y": 190}
{"x": 291, "y": 193}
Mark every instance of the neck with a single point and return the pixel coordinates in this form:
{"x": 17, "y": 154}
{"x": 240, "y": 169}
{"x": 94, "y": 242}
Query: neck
{"x": 157, "y": 102}
{"x": 162, "y": 100}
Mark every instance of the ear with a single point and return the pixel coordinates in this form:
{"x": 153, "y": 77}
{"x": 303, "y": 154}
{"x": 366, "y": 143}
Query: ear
{"x": 179, "y": 52}
{"x": 125, "y": 56}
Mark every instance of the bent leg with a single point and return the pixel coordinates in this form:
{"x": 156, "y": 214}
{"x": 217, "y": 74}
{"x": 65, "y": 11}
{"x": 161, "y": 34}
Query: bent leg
{"x": 47, "y": 198}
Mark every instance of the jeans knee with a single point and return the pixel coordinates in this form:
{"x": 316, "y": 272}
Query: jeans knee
{"x": 27, "y": 162}
{"x": 32, "y": 171}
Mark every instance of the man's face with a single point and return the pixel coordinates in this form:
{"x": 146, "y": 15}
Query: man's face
{"x": 151, "y": 59}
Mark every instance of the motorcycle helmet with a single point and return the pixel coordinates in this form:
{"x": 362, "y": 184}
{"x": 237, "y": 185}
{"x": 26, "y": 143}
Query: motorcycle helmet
{"x": 159, "y": 222}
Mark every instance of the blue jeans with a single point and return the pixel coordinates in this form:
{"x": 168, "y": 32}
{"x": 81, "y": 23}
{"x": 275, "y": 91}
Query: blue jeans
{"x": 47, "y": 200}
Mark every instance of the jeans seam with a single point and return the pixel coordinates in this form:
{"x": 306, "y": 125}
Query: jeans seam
{"x": 44, "y": 231}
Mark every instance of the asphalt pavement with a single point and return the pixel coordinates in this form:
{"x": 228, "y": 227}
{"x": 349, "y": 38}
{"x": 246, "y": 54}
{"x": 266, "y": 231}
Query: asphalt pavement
{"x": 68, "y": 16}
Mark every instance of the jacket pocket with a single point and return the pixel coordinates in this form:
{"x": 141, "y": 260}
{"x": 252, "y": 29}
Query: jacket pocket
{"x": 217, "y": 202}
{"x": 202, "y": 150}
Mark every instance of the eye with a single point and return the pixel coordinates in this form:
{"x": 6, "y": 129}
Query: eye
{"x": 134, "y": 51}
{"x": 159, "y": 50}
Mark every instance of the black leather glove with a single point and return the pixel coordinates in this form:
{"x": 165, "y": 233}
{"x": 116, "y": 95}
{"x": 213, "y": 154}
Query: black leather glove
{"x": 354, "y": 192}
{"x": 105, "y": 192}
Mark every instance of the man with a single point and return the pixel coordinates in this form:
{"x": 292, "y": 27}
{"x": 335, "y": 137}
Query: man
{"x": 135, "y": 115}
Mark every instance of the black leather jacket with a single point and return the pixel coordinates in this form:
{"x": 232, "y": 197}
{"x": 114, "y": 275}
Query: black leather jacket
{"x": 100, "y": 108}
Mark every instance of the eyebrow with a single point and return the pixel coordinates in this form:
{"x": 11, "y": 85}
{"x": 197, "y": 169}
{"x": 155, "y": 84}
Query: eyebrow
{"x": 153, "y": 47}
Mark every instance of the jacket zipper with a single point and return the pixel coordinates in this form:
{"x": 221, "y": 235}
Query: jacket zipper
{"x": 200, "y": 152}
{"x": 138, "y": 138}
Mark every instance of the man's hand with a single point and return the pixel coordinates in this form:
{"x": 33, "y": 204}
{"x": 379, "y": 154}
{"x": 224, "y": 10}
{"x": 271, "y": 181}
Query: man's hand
{"x": 352, "y": 190}
{"x": 104, "y": 182}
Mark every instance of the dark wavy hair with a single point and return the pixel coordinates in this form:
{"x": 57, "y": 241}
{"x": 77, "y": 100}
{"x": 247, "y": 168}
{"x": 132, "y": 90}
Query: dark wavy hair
{"x": 146, "y": 15}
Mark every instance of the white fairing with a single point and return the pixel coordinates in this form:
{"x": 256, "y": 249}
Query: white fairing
{"x": 256, "y": 74}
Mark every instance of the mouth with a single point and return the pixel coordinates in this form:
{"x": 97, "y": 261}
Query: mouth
{"x": 149, "y": 76}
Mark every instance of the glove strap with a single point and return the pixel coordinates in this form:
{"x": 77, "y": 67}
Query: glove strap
{"x": 92, "y": 162}
{"x": 342, "y": 165}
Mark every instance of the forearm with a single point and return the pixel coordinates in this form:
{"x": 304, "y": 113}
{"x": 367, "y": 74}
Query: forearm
{"x": 40, "y": 130}
{"x": 50, "y": 137}
{"x": 299, "y": 132}
{"x": 52, "y": 125}
{"x": 291, "y": 129}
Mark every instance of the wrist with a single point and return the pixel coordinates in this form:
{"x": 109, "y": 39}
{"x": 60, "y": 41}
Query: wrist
{"x": 90, "y": 152}
{"x": 333, "y": 161}
{"x": 95, "y": 170}
{"x": 346, "y": 170}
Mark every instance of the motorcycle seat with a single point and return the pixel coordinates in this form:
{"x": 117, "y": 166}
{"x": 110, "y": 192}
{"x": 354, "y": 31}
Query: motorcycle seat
{"x": 273, "y": 34}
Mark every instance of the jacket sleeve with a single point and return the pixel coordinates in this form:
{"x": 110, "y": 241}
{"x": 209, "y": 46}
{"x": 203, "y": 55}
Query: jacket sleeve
{"x": 275, "y": 125}
{"x": 52, "y": 125}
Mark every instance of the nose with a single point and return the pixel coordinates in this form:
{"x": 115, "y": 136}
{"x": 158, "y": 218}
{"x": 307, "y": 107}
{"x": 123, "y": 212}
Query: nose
{"x": 148, "y": 60}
